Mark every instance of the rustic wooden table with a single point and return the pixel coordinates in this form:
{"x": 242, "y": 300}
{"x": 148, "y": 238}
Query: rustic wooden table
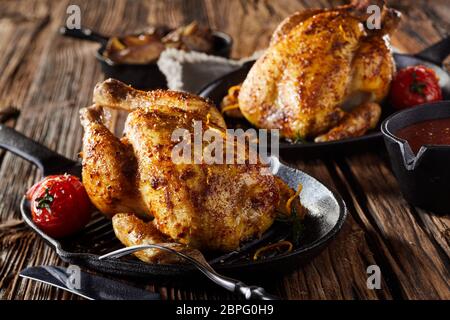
{"x": 50, "y": 77}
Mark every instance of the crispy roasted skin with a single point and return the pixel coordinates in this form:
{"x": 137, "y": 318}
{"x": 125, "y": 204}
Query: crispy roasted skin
{"x": 212, "y": 207}
{"x": 115, "y": 94}
{"x": 109, "y": 167}
{"x": 317, "y": 61}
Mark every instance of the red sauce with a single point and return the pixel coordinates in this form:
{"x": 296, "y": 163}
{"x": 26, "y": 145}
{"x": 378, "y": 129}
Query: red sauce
{"x": 426, "y": 132}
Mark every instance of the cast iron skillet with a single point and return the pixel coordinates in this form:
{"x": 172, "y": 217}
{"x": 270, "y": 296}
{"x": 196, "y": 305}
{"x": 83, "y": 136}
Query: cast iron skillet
{"x": 431, "y": 57}
{"x": 327, "y": 212}
{"x": 140, "y": 76}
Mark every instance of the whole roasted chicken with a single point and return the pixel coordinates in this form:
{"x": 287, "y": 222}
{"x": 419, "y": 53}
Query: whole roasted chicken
{"x": 153, "y": 199}
{"x": 323, "y": 74}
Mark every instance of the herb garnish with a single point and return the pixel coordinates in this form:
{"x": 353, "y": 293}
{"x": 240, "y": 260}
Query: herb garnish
{"x": 297, "y": 226}
{"x": 417, "y": 86}
{"x": 45, "y": 201}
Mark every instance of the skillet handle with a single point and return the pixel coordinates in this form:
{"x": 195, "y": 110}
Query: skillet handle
{"x": 45, "y": 159}
{"x": 84, "y": 34}
{"x": 437, "y": 52}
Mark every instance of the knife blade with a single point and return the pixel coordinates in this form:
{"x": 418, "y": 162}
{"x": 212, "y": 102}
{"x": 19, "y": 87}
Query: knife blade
{"x": 86, "y": 285}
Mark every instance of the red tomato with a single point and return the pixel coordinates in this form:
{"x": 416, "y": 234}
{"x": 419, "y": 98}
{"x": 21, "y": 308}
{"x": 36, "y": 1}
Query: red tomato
{"x": 414, "y": 85}
{"x": 60, "y": 205}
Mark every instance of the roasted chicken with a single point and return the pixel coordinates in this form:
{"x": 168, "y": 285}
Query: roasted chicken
{"x": 320, "y": 65}
{"x": 200, "y": 206}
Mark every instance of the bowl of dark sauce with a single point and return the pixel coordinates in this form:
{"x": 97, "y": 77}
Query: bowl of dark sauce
{"x": 136, "y": 64}
{"x": 418, "y": 143}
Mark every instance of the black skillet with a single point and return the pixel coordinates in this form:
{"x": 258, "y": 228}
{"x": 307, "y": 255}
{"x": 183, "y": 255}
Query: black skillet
{"x": 327, "y": 212}
{"x": 432, "y": 57}
{"x": 140, "y": 76}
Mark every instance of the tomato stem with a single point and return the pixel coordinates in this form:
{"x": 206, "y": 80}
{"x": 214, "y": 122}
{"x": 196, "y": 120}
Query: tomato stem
{"x": 45, "y": 201}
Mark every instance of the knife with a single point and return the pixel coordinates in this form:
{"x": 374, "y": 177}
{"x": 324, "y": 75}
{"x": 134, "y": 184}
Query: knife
{"x": 86, "y": 285}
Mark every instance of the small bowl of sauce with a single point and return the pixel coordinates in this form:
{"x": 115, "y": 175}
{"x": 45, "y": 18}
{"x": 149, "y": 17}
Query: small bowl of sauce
{"x": 418, "y": 143}
{"x": 429, "y": 132}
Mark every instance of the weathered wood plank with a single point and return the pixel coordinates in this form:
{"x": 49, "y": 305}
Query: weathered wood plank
{"x": 50, "y": 78}
{"x": 437, "y": 226}
{"x": 419, "y": 265}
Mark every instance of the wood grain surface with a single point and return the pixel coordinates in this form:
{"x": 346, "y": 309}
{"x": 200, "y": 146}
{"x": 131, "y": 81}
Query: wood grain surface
{"x": 49, "y": 78}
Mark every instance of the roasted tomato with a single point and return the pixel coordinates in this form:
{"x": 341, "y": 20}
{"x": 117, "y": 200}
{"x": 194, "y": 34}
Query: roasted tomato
{"x": 60, "y": 205}
{"x": 414, "y": 85}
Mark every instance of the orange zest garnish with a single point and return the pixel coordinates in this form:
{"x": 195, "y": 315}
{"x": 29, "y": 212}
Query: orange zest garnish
{"x": 230, "y": 107}
{"x": 119, "y": 45}
{"x": 232, "y": 91}
{"x": 219, "y": 130}
{"x": 295, "y": 195}
{"x": 213, "y": 126}
{"x": 275, "y": 246}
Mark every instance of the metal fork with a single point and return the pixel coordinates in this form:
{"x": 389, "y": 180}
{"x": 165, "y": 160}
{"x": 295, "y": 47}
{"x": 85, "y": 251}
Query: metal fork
{"x": 233, "y": 285}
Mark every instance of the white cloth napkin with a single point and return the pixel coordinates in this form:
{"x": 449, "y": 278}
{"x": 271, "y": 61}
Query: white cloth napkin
{"x": 191, "y": 71}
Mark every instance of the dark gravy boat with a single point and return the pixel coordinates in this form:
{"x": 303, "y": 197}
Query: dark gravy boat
{"x": 424, "y": 178}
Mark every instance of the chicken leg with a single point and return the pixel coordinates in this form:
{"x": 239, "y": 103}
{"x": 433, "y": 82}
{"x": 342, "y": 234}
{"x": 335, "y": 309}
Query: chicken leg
{"x": 109, "y": 167}
{"x": 354, "y": 123}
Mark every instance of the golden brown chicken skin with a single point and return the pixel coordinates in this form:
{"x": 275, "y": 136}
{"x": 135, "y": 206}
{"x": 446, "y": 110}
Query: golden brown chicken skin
{"x": 109, "y": 167}
{"x": 203, "y": 206}
{"x": 320, "y": 63}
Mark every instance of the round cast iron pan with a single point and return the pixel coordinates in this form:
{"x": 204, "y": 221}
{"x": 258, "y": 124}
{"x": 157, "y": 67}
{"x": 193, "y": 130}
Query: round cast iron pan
{"x": 432, "y": 57}
{"x": 327, "y": 213}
